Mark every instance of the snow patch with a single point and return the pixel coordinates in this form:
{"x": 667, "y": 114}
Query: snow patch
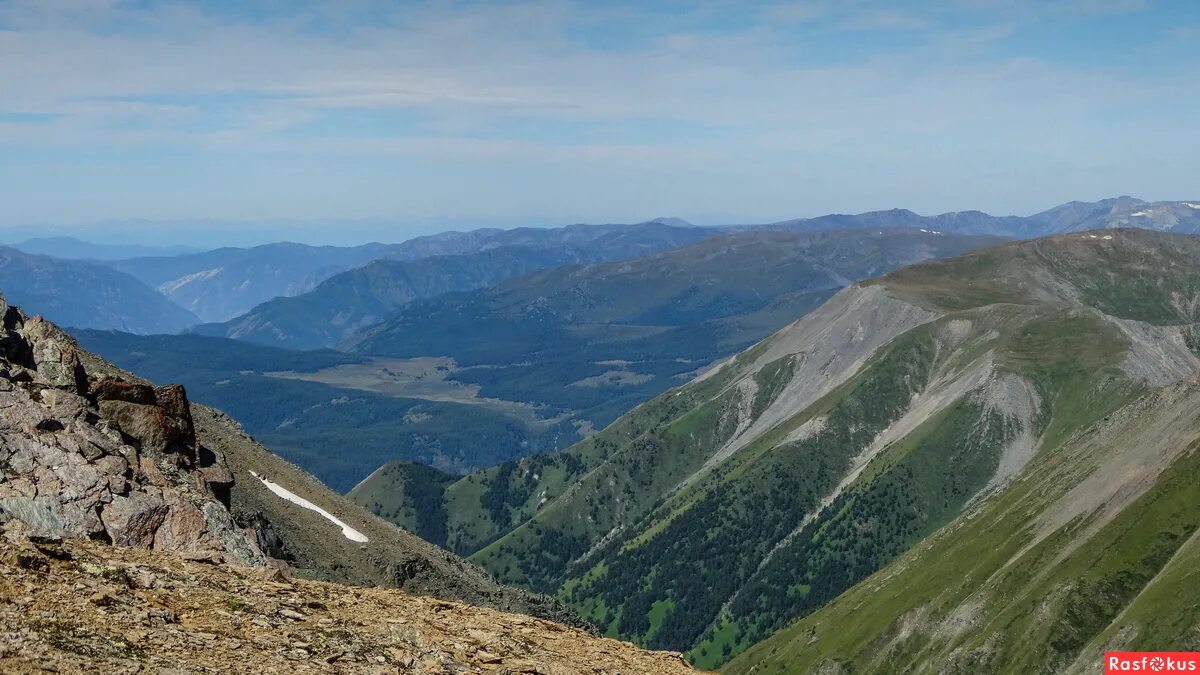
{"x": 349, "y": 532}
{"x": 1190, "y": 205}
{"x": 1141, "y": 214}
{"x": 930, "y": 231}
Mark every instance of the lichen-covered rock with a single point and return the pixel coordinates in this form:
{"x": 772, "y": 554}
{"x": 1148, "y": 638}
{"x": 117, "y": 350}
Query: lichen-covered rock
{"x": 55, "y": 356}
{"x": 159, "y": 420}
{"x": 107, "y": 388}
{"x": 105, "y": 459}
{"x": 147, "y": 425}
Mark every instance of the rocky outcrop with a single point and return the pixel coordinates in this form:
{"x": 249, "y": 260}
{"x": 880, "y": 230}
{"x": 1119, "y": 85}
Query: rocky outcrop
{"x": 89, "y": 451}
{"x": 94, "y": 456}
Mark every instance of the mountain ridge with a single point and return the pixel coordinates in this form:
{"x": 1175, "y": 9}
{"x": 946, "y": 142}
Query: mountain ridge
{"x": 1114, "y": 212}
{"x": 357, "y": 304}
{"x": 87, "y": 294}
{"x": 710, "y": 517}
{"x": 221, "y": 284}
{"x": 357, "y": 298}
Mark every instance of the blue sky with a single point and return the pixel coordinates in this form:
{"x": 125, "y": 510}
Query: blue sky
{"x": 398, "y": 118}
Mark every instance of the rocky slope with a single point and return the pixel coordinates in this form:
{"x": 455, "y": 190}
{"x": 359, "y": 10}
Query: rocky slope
{"x": 82, "y": 294}
{"x": 89, "y": 451}
{"x": 103, "y": 477}
{"x": 1094, "y": 547}
{"x": 75, "y": 606}
{"x": 318, "y": 548}
{"x": 1025, "y": 397}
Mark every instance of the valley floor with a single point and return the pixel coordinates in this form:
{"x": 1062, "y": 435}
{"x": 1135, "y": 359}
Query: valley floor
{"x": 425, "y": 378}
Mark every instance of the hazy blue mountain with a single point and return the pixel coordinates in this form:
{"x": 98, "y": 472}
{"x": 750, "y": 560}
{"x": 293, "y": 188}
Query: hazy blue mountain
{"x": 630, "y": 240}
{"x": 361, "y": 297}
{"x": 545, "y": 358}
{"x": 364, "y": 296}
{"x": 86, "y": 294}
{"x": 221, "y": 284}
{"x": 1182, "y": 216}
{"x": 77, "y": 249}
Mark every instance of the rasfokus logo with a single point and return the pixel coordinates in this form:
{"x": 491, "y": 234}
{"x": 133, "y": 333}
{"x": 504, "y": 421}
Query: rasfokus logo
{"x": 1151, "y": 662}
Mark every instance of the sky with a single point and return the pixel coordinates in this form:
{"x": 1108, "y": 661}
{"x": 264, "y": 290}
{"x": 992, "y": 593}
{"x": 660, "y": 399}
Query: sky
{"x": 358, "y": 119}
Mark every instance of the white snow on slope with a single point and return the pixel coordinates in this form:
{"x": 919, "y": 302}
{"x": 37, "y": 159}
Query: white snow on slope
{"x": 350, "y": 533}
{"x": 1191, "y": 205}
{"x": 170, "y": 287}
{"x": 1141, "y": 213}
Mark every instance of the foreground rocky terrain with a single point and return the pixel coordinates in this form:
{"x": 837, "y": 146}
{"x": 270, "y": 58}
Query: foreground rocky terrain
{"x": 141, "y": 531}
{"x": 89, "y": 451}
{"x": 77, "y": 606}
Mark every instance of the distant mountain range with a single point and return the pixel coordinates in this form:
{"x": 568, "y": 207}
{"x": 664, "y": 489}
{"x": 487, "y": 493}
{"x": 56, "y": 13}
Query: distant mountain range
{"x": 70, "y": 248}
{"x": 848, "y": 444}
{"x": 364, "y": 296}
{"x": 228, "y": 285}
{"x": 220, "y": 284}
{"x": 988, "y": 459}
{"x": 324, "y": 317}
{"x": 224, "y": 283}
{"x": 1183, "y": 217}
{"x": 78, "y": 293}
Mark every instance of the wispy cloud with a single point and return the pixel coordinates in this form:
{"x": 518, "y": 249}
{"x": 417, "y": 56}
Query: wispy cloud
{"x": 690, "y": 95}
